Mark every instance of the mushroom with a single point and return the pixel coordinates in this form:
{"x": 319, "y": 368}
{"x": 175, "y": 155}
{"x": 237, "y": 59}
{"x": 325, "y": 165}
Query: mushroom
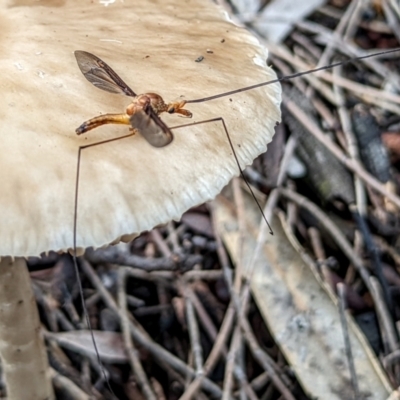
{"x": 125, "y": 186}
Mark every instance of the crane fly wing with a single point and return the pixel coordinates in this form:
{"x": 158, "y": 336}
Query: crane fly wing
{"x": 101, "y": 75}
{"x": 151, "y": 127}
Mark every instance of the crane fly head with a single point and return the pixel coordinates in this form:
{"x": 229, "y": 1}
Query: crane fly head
{"x": 177, "y": 108}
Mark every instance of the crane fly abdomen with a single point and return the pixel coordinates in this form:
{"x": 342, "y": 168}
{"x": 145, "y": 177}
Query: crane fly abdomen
{"x": 141, "y": 114}
{"x": 95, "y": 122}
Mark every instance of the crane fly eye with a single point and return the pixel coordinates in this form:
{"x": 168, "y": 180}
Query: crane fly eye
{"x": 171, "y": 110}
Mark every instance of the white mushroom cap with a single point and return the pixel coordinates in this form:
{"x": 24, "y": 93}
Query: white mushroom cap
{"x": 125, "y": 186}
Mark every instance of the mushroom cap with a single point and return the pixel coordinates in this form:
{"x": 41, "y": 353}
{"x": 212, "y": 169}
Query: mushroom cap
{"x": 125, "y": 186}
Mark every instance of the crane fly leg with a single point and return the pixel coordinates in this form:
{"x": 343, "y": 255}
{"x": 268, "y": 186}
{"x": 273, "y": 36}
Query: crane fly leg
{"x": 122, "y": 119}
{"x": 222, "y": 121}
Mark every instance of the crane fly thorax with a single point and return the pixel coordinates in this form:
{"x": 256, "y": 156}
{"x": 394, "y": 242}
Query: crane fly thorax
{"x": 158, "y": 105}
{"x": 142, "y": 101}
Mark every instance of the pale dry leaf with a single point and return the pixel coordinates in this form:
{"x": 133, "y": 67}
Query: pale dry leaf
{"x": 301, "y": 315}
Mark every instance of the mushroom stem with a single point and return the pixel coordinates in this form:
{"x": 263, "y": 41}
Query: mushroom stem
{"x": 22, "y": 348}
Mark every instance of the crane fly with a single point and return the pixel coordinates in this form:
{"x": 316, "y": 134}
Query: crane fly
{"x": 141, "y": 115}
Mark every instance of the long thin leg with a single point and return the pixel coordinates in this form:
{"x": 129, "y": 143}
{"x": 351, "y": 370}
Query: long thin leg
{"x": 122, "y": 119}
{"x": 220, "y": 119}
{"x": 74, "y": 252}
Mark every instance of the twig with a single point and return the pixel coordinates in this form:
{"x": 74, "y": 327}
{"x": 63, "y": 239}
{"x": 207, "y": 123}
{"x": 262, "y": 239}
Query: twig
{"x": 218, "y": 348}
{"x": 113, "y": 254}
{"x": 246, "y": 388}
{"x": 337, "y": 33}
{"x": 205, "y": 319}
{"x": 391, "y": 19}
{"x": 194, "y": 335}
{"x": 384, "y": 316}
{"x": 160, "y": 242}
{"x": 273, "y": 197}
{"x": 230, "y": 364}
{"x": 374, "y": 254}
{"x": 347, "y": 345}
{"x": 352, "y": 147}
{"x": 319, "y": 252}
{"x": 133, "y": 354}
